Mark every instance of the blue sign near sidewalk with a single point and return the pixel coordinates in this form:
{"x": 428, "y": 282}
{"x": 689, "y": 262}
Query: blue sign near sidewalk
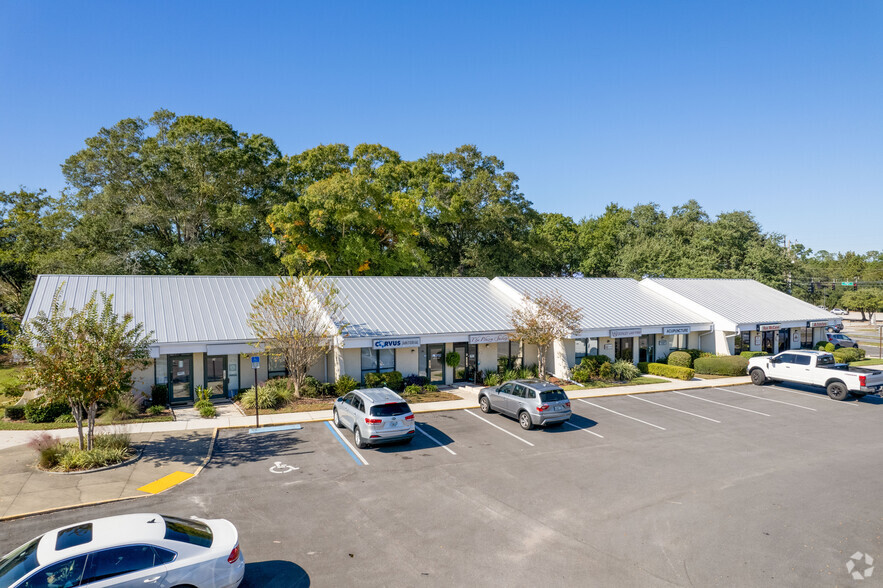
{"x": 255, "y": 362}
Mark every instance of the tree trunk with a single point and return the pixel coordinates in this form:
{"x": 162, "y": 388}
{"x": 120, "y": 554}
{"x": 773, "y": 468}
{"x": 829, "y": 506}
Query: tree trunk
{"x": 93, "y": 409}
{"x": 77, "y": 411}
{"x": 541, "y": 360}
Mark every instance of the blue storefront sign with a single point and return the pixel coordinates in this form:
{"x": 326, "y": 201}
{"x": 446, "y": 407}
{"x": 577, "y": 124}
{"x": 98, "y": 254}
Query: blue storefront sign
{"x": 395, "y": 343}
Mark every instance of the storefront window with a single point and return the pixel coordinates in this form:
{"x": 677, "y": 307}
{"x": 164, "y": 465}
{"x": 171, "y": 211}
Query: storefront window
{"x": 509, "y": 355}
{"x": 276, "y": 367}
{"x": 742, "y": 342}
{"x": 373, "y": 360}
{"x": 585, "y": 347}
{"x": 678, "y": 342}
{"x": 806, "y": 338}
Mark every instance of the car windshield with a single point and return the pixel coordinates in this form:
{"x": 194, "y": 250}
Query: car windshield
{"x": 392, "y": 409}
{"x": 825, "y": 360}
{"x": 18, "y": 563}
{"x": 553, "y": 396}
{"x": 193, "y": 532}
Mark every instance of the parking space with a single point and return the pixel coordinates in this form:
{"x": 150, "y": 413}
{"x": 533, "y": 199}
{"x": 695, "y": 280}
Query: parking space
{"x": 694, "y": 487}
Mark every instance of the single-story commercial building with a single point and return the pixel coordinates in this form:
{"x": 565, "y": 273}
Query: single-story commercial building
{"x": 621, "y": 319}
{"x": 408, "y": 324}
{"x": 748, "y": 315}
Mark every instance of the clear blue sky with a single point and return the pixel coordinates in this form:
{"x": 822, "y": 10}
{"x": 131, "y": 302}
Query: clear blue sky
{"x": 775, "y": 107}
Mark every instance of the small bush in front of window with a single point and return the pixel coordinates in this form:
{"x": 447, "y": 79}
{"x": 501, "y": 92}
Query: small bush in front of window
{"x": 680, "y": 359}
{"x": 345, "y": 384}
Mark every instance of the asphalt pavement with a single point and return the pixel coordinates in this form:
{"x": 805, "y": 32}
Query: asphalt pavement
{"x": 723, "y": 486}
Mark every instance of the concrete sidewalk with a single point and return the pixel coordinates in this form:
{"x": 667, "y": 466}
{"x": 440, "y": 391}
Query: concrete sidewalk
{"x": 468, "y": 393}
{"x": 25, "y": 489}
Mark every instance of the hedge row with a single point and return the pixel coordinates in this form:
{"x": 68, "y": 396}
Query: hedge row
{"x": 848, "y": 354}
{"x": 727, "y": 365}
{"x": 750, "y": 354}
{"x": 670, "y": 371}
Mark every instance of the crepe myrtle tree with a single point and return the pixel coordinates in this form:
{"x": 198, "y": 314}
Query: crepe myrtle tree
{"x": 541, "y": 320}
{"x": 83, "y": 356}
{"x": 297, "y": 319}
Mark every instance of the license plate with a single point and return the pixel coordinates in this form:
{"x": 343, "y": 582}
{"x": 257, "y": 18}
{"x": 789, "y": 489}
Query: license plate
{"x": 557, "y": 408}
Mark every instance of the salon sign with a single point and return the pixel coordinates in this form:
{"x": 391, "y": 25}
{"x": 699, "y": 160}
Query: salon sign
{"x": 768, "y": 328}
{"x": 621, "y": 333}
{"x": 395, "y": 343}
{"x": 488, "y": 338}
{"x": 818, "y": 324}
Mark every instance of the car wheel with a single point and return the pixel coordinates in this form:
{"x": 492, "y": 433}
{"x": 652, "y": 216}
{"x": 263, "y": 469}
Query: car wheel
{"x": 525, "y": 421}
{"x": 758, "y": 378}
{"x": 357, "y": 437}
{"x": 837, "y": 391}
{"x": 837, "y": 347}
{"x": 336, "y": 418}
{"x": 855, "y": 346}
{"x": 485, "y": 404}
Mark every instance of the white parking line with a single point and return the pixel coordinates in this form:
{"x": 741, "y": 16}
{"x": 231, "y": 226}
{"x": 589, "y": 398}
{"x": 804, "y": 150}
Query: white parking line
{"x": 581, "y": 429}
{"x": 675, "y": 409}
{"x": 767, "y": 399}
{"x": 437, "y": 442}
{"x": 501, "y": 428}
{"x": 721, "y": 403}
{"x": 802, "y": 393}
{"x": 620, "y": 414}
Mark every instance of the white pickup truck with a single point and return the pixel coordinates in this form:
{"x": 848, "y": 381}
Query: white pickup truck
{"x": 818, "y": 369}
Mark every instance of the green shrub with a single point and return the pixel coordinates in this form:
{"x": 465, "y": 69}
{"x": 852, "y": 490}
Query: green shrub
{"x": 694, "y": 354}
{"x": 625, "y": 370}
{"x": 452, "y": 359}
{"x": 510, "y": 375}
{"x": 109, "y": 449}
{"x": 65, "y": 418}
{"x": 127, "y": 407}
{"x": 310, "y": 388}
{"x": 373, "y": 380}
{"x": 662, "y": 360}
{"x": 41, "y": 411}
{"x": 48, "y": 449}
{"x": 502, "y": 364}
{"x": 268, "y": 398}
{"x": 820, "y": 346}
{"x": 12, "y": 389}
{"x": 345, "y": 384}
{"x": 726, "y": 365}
{"x": 680, "y": 359}
{"x": 206, "y": 409}
{"x": 16, "y": 413}
{"x": 491, "y": 379}
{"x": 159, "y": 394}
{"x": 625, "y": 355}
{"x": 430, "y": 388}
{"x": 830, "y": 347}
{"x": 203, "y": 393}
{"x": 156, "y": 410}
{"x": 605, "y": 372}
{"x": 750, "y": 354}
{"x": 412, "y": 390}
{"x": 532, "y": 371}
{"x": 415, "y": 380}
{"x": 581, "y": 374}
{"x": 848, "y": 354}
{"x": 642, "y": 367}
{"x": 395, "y": 381}
{"x": 670, "y": 371}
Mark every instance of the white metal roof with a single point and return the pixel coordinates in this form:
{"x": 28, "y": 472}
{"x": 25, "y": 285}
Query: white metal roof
{"x": 744, "y": 302}
{"x": 178, "y": 309}
{"x": 189, "y": 309}
{"x": 609, "y": 302}
{"x": 383, "y": 306}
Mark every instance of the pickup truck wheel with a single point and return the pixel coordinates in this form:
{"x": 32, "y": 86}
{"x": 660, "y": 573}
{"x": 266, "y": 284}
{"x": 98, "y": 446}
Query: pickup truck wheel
{"x": 837, "y": 391}
{"x": 758, "y": 378}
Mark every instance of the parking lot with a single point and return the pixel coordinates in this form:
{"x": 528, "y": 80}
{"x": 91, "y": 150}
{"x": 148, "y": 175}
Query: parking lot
{"x": 721, "y": 486}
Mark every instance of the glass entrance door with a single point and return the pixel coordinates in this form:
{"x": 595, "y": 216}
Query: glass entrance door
{"x": 216, "y": 375}
{"x": 465, "y": 371}
{"x": 436, "y": 365}
{"x": 644, "y": 349}
{"x": 784, "y": 340}
{"x": 623, "y": 348}
{"x": 766, "y": 343}
{"x": 180, "y": 379}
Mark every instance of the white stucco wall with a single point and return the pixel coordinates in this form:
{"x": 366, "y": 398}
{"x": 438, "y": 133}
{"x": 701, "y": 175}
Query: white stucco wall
{"x": 407, "y": 361}
{"x": 487, "y": 357}
{"x": 142, "y": 380}
{"x": 603, "y": 342}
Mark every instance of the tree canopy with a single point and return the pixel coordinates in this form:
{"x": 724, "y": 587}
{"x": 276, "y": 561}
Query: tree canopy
{"x": 193, "y": 195}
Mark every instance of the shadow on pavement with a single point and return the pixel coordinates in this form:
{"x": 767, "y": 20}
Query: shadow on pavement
{"x": 188, "y": 450}
{"x": 576, "y": 420}
{"x": 237, "y": 448}
{"x": 821, "y": 392}
{"x": 275, "y": 573}
{"x": 420, "y": 442}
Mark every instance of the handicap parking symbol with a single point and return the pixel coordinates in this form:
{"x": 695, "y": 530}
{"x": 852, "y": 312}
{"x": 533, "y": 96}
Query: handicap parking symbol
{"x": 282, "y": 468}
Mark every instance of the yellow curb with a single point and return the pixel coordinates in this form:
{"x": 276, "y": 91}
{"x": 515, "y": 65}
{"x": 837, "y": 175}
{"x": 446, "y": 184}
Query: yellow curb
{"x": 165, "y": 482}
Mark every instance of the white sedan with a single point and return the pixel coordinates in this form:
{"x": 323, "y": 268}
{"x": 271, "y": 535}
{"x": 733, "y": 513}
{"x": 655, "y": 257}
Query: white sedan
{"x": 128, "y": 550}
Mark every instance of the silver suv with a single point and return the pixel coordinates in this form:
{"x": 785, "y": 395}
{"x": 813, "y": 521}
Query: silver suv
{"x": 532, "y": 402}
{"x": 374, "y": 415}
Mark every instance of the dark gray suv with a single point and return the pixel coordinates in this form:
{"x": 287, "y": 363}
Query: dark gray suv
{"x": 532, "y": 402}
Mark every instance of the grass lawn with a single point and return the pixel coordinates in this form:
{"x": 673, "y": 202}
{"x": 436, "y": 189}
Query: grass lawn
{"x": 7, "y": 425}
{"x": 9, "y": 375}
{"x": 315, "y": 404}
{"x": 872, "y": 361}
{"x": 600, "y": 384}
